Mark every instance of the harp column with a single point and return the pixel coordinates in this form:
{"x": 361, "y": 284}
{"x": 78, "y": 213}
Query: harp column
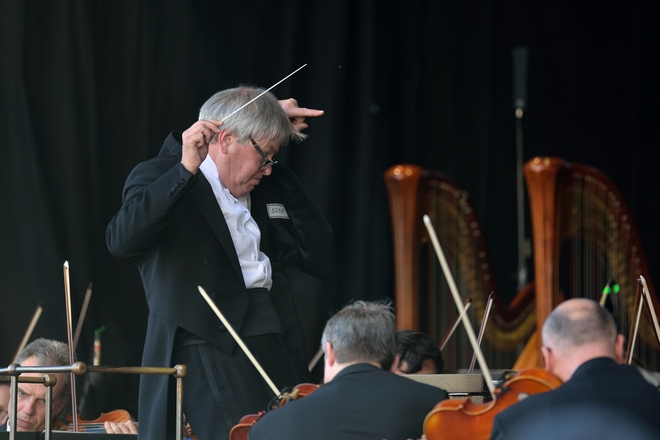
{"x": 402, "y": 183}
{"x": 544, "y": 180}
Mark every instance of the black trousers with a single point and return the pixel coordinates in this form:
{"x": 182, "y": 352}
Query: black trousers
{"x": 220, "y": 389}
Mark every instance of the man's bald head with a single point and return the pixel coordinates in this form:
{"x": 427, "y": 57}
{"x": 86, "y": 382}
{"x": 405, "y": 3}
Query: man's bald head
{"x": 576, "y": 331}
{"x": 576, "y": 323}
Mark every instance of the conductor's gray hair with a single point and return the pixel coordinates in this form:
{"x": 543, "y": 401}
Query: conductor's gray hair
{"x": 363, "y": 332}
{"x": 263, "y": 118}
{"x": 582, "y": 322}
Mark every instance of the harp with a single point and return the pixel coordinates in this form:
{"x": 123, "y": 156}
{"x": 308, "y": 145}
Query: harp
{"x": 583, "y": 236}
{"x": 423, "y": 301}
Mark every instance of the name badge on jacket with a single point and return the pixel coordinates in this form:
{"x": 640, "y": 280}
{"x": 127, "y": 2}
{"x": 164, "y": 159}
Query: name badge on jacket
{"x": 276, "y": 210}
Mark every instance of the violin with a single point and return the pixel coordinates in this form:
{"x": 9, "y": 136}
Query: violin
{"x": 97, "y": 426}
{"x": 240, "y": 431}
{"x": 461, "y": 418}
{"x": 65, "y": 423}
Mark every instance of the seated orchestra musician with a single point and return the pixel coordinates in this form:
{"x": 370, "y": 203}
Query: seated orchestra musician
{"x": 600, "y": 399}
{"x": 361, "y": 397}
{"x": 31, "y": 397}
{"x": 418, "y": 354}
{"x": 4, "y": 402}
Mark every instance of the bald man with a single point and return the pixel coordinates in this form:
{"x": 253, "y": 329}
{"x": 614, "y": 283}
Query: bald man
{"x": 600, "y": 399}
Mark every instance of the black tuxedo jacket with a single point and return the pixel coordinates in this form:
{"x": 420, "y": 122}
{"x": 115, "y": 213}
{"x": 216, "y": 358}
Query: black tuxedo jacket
{"x": 362, "y": 402}
{"x": 602, "y": 400}
{"x": 171, "y": 225}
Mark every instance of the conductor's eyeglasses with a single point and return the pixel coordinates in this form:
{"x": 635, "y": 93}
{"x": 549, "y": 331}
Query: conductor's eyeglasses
{"x": 267, "y": 162}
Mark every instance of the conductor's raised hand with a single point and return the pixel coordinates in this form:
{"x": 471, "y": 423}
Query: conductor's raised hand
{"x": 297, "y": 114}
{"x": 196, "y": 142}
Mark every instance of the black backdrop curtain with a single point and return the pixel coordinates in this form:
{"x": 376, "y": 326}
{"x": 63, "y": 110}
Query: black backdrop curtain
{"x": 89, "y": 89}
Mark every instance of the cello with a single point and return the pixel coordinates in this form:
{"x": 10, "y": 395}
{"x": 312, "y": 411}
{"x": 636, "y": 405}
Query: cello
{"x": 461, "y": 418}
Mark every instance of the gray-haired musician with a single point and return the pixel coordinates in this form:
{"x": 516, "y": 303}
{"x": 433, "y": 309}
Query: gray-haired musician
{"x": 362, "y": 398}
{"x": 31, "y": 397}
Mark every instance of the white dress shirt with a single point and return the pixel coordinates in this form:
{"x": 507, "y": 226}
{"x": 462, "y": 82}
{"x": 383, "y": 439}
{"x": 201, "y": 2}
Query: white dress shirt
{"x": 244, "y": 231}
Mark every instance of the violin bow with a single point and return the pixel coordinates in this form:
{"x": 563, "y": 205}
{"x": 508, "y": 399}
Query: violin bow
{"x": 484, "y": 320}
{"x": 317, "y": 357}
{"x": 650, "y": 308}
{"x": 642, "y": 292}
{"x": 634, "y": 326}
{"x": 69, "y": 325}
{"x": 239, "y": 341}
{"x": 81, "y": 318}
{"x": 457, "y": 299}
{"x": 454, "y": 324}
{"x": 33, "y": 323}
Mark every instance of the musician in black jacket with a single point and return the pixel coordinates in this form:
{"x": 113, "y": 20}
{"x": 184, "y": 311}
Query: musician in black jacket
{"x": 361, "y": 399}
{"x": 600, "y": 398}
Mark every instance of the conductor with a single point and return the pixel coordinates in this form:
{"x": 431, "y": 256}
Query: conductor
{"x": 215, "y": 209}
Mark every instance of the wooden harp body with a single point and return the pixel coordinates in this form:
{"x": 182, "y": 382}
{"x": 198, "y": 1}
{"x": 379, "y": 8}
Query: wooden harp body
{"x": 584, "y": 236}
{"x": 422, "y": 298}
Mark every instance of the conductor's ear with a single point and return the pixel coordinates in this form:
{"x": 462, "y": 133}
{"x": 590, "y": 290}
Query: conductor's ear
{"x": 224, "y": 139}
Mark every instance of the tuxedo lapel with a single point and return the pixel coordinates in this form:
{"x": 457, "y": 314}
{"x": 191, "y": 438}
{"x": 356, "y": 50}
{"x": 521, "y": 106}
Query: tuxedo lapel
{"x": 202, "y": 195}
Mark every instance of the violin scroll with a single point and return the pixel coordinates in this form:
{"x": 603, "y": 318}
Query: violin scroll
{"x": 301, "y": 390}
